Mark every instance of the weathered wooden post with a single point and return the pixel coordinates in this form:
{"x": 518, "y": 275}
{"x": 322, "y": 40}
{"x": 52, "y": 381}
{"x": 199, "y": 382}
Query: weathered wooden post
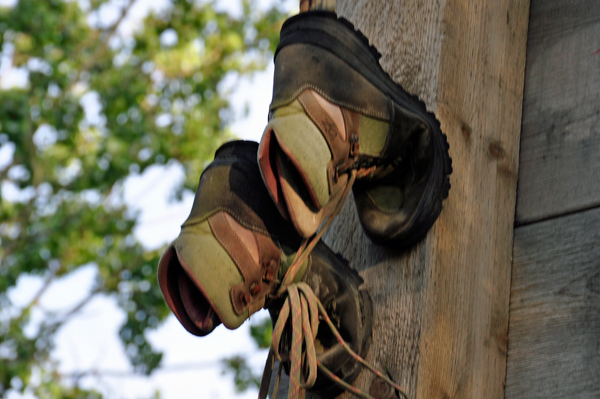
{"x": 441, "y": 308}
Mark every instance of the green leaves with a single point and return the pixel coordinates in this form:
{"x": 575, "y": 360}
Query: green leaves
{"x": 96, "y": 108}
{"x": 261, "y": 332}
{"x": 243, "y": 376}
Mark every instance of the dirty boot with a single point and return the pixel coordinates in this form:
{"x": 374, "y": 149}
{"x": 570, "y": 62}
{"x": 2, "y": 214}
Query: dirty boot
{"x": 233, "y": 256}
{"x": 337, "y": 116}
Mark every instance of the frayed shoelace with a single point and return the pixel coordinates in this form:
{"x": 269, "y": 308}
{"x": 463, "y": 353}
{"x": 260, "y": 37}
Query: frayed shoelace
{"x": 305, "y": 310}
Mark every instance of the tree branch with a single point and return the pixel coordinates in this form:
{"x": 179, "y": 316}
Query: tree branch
{"x": 38, "y": 295}
{"x": 52, "y": 327}
{"x": 104, "y": 44}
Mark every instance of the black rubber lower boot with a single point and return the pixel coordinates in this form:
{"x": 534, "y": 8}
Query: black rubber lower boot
{"x": 233, "y": 253}
{"x": 350, "y": 310}
{"x": 335, "y": 111}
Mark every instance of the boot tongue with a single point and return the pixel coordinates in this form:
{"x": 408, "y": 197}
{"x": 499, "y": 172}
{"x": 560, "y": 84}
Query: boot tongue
{"x": 302, "y": 210}
{"x": 187, "y": 302}
{"x": 293, "y": 157}
{"x": 195, "y": 275}
{"x": 196, "y": 306}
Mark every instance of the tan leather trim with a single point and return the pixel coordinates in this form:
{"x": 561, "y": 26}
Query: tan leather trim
{"x": 251, "y": 293}
{"x": 245, "y": 235}
{"x": 342, "y": 151}
{"x": 334, "y": 112}
{"x": 270, "y": 261}
{"x": 231, "y": 242}
{"x": 320, "y": 117}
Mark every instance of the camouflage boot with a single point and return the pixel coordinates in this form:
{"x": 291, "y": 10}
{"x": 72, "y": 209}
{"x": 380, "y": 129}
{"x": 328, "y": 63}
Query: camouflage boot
{"x": 233, "y": 254}
{"x": 335, "y": 116}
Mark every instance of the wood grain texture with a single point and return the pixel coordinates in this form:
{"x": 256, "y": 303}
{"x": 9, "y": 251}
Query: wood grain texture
{"x": 408, "y": 34}
{"x": 441, "y": 309}
{"x": 554, "y": 334}
{"x": 560, "y": 142}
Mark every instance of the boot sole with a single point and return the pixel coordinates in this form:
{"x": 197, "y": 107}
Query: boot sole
{"x": 338, "y": 36}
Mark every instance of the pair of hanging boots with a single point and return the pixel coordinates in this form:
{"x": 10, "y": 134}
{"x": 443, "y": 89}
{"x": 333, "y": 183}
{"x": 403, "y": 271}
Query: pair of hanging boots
{"x": 337, "y": 121}
{"x": 234, "y": 255}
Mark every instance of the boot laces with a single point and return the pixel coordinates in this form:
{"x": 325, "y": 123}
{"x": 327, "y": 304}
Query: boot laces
{"x": 302, "y": 306}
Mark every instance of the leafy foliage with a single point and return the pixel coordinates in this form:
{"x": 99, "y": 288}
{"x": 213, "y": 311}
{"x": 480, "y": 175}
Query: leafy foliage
{"x": 161, "y": 101}
{"x": 243, "y": 376}
{"x": 262, "y": 332}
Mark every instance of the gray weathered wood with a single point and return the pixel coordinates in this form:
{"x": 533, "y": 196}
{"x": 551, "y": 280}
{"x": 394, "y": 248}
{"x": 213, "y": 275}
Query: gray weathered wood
{"x": 560, "y": 141}
{"x": 441, "y": 309}
{"x": 552, "y": 18}
{"x": 554, "y": 334}
{"x": 284, "y": 382}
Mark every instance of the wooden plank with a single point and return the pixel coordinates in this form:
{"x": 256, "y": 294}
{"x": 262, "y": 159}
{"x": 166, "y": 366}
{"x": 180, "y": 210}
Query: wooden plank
{"x": 441, "y": 309}
{"x": 554, "y": 333}
{"x": 551, "y": 18}
{"x": 560, "y": 142}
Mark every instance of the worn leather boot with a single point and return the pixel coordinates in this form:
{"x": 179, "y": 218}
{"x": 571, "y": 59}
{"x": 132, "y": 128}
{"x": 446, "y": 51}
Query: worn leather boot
{"x": 335, "y": 111}
{"x": 233, "y": 253}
